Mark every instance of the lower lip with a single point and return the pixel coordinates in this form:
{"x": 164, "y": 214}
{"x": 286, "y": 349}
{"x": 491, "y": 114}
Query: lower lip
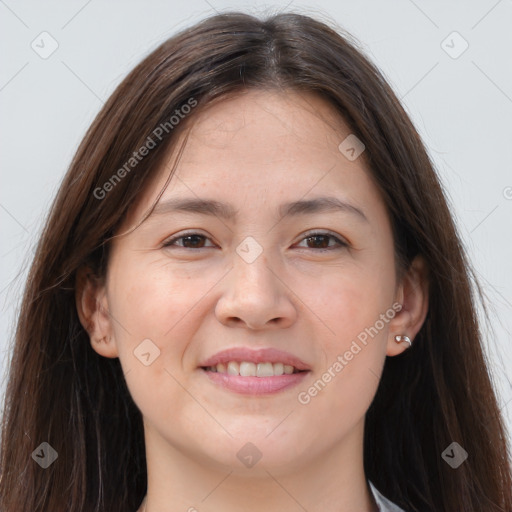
{"x": 255, "y": 385}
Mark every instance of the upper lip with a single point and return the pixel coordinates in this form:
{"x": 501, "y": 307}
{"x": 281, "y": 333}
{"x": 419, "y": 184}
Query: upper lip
{"x": 262, "y": 355}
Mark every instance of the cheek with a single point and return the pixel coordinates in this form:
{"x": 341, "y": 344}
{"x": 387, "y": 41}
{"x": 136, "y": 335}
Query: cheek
{"x": 145, "y": 307}
{"x": 344, "y": 386}
{"x": 356, "y": 307}
{"x": 359, "y": 319}
{"x": 353, "y": 300}
{"x": 154, "y": 310}
{"x": 154, "y": 315}
{"x": 150, "y": 297}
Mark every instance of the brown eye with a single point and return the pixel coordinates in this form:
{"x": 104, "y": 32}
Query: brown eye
{"x": 193, "y": 241}
{"x": 188, "y": 241}
{"x": 322, "y": 241}
{"x": 319, "y": 241}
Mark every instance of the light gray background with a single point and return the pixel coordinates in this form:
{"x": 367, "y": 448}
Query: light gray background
{"x": 461, "y": 106}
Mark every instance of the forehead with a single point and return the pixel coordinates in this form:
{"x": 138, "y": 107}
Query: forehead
{"x": 300, "y": 115}
{"x": 264, "y": 147}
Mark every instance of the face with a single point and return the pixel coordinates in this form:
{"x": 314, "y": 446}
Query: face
{"x": 291, "y": 269}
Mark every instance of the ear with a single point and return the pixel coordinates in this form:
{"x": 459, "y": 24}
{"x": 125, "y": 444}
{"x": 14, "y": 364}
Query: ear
{"x": 412, "y": 294}
{"x": 93, "y": 312}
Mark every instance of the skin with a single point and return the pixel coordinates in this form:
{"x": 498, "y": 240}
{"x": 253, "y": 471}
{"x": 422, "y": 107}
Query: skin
{"x": 256, "y": 151}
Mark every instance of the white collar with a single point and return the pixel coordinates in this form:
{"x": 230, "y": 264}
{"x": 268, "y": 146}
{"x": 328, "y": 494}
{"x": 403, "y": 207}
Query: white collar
{"x": 383, "y": 503}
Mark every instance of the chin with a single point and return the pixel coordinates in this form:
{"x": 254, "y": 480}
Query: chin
{"x": 255, "y": 451}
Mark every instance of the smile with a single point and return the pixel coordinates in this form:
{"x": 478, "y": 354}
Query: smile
{"x": 249, "y": 369}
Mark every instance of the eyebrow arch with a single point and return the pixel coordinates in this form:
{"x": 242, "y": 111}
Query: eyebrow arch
{"x": 226, "y": 211}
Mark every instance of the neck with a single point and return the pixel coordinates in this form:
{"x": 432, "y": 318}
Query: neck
{"x": 333, "y": 481}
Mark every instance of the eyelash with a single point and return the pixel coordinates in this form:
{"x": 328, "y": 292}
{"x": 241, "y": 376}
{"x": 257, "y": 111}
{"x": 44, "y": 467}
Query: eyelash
{"x": 340, "y": 243}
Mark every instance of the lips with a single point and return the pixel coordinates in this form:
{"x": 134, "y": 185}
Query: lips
{"x": 254, "y": 372}
{"x": 257, "y": 357}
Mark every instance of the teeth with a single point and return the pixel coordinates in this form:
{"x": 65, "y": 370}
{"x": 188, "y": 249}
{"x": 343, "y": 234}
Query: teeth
{"x": 247, "y": 369}
{"x": 278, "y": 368}
{"x": 264, "y": 370}
{"x": 233, "y": 368}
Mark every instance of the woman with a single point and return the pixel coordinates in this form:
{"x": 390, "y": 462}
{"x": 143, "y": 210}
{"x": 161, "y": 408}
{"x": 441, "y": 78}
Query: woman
{"x": 250, "y": 294}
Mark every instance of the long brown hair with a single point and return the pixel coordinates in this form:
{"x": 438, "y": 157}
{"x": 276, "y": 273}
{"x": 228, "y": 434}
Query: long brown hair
{"x": 62, "y": 392}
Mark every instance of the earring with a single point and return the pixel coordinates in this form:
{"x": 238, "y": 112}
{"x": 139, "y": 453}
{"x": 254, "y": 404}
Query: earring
{"x": 399, "y": 339}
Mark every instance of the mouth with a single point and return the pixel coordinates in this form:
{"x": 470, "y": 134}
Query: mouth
{"x": 254, "y": 372}
{"x": 249, "y": 369}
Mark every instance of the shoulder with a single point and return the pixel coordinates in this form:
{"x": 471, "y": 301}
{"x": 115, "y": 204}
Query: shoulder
{"x": 383, "y": 503}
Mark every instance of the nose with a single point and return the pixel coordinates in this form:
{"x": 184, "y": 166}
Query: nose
{"x": 255, "y": 297}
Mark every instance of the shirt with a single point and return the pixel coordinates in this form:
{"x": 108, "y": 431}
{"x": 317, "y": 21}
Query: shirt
{"x": 383, "y": 503}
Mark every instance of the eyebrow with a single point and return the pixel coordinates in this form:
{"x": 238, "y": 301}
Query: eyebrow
{"x": 225, "y": 211}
